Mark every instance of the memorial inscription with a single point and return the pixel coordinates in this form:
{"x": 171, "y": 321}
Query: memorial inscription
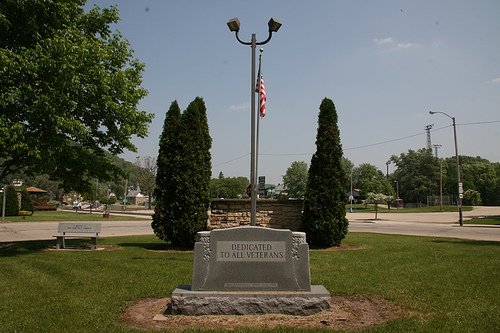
{"x": 251, "y": 251}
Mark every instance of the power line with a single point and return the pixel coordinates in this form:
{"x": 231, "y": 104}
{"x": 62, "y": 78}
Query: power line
{"x": 384, "y": 142}
{"x": 368, "y": 145}
{"x": 234, "y": 159}
{"x": 481, "y": 122}
{"x": 285, "y": 154}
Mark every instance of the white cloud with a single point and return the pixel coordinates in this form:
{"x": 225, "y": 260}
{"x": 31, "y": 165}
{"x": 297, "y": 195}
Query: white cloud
{"x": 497, "y": 80}
{"x": 407, "y": 45}
{"x": 388, "y": 40}
{"x": 237, "y": 107}
{"x": 391, "y": 44}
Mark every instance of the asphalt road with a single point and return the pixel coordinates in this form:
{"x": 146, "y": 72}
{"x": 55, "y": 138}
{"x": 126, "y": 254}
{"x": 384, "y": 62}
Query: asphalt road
{"x": 421, "y": 224}
{"x": 427, "y": 224}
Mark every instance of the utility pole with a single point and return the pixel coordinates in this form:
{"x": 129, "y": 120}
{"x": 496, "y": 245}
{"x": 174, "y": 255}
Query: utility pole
{"x": 436, "y": 149}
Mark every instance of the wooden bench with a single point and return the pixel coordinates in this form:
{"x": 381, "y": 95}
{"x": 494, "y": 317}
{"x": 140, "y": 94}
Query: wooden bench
{"x": 77, "y": 230}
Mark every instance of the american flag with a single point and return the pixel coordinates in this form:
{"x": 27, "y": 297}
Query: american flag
{"x": 262, "y": 97}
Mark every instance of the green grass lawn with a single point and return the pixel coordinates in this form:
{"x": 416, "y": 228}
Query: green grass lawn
{"x": 491, "y": 220}
{"x": 447, "y": 285}
{"x": 360, "y": 208}
{"x": 61, "y": 215}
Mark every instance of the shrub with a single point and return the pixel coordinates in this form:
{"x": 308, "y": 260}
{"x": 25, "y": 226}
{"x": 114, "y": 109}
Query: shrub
{"x": 11, "y": 203}
{"x": 26, "y": 201}
{"x": 324, "y": 219}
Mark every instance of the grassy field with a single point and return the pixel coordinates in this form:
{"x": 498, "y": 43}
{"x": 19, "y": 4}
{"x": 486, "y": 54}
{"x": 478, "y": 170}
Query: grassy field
{"x": 492, "y": 220}
{"x": 60, "y": 215}
{"x": 447, "y": 285}
{"x": 360, "y": 208}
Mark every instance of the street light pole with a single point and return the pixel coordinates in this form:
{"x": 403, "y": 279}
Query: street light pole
{"x": 460, "y": 187}
{"x": 234, "y": 26}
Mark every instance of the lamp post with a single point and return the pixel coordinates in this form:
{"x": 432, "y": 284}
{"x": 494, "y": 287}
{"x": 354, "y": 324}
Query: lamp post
{"x": 234, "y": 26}
{"x": 460, "y": 187}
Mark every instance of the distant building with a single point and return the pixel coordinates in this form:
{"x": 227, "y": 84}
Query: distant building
{"x": 136, "y": 198}
{"x": 37, "y": 195}
{"x": 280, "y": 189}
{"x": 355, "y": 196}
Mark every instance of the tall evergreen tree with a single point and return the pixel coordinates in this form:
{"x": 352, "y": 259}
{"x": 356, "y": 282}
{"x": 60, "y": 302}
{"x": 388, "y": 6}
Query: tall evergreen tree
{"x": 11, "y": 201}
{"x": 183, "y": 175}
{"x": 195, "y": 174}
{"x": 26, "y": 202}
{"x": 167, "y": 179}
{"x": 324, "y": 218}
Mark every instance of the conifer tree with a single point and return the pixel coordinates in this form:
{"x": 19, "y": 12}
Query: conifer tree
{"x": 26, "y": 202}
{"x": 167, "y": 179}
{"x": 324, "y": 218}
{"x": 183, "y": 175}
{"x": 195, "y": 174}
{"x": 11, "y": 201}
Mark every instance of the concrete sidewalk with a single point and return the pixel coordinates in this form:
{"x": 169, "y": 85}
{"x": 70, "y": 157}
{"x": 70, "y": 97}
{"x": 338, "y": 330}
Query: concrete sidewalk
{"x": 27, "y": 231}
{"x": 416, "y": 224}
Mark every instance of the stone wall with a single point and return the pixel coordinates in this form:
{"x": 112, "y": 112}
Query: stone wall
{"x": 271, "y": 213}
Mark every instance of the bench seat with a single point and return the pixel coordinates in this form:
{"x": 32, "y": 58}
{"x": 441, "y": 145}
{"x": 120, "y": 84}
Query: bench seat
{"x": 77, "y": 230}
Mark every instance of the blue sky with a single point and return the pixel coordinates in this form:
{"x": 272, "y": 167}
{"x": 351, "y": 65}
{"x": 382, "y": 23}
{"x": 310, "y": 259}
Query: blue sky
{"x": 384, "y": 64}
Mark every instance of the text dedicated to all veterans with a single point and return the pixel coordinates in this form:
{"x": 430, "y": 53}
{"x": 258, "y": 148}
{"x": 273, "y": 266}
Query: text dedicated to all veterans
{"x": 251, "y": 251}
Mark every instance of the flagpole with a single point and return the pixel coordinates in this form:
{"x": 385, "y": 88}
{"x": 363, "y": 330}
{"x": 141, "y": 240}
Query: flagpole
{"x": 259, "y": 80}
{"x": 234, "y": 26}
{"x": 253, "y": 180}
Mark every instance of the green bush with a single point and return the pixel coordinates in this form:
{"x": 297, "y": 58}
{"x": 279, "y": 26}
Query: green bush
{"x": 26, "y": 201}
{"x": 11, "y": 203}
{"x": 472, "y": 198}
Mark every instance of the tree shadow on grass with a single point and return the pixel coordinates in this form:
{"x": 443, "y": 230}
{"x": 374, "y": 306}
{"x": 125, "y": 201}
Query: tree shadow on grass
{"x": 160, "y": 246}
{"x": 465, "y": 242}
{"x": 11, "y": 249}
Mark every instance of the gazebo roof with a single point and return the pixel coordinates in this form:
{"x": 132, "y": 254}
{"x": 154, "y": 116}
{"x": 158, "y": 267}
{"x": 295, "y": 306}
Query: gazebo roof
{"x": 33, "y": 189}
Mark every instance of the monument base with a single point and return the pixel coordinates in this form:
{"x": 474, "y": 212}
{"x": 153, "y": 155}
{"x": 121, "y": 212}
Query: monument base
{"x": 298, "y": 303}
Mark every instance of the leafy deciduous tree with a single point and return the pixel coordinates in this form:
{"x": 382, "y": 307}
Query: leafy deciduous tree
{"x": 348, "y": 166}
{"x": 147, "y": 176}
{"x": 229, "y": 188}
{"x": 295, "y": 179}
{"x": 69, "y": 90}
{"x": 368, "y": 178}
{"x": 479, "y": 174}
{"x": 377, "y": 199}
{"x": 472, "y": 198}
{"x": 418, "y": 174}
